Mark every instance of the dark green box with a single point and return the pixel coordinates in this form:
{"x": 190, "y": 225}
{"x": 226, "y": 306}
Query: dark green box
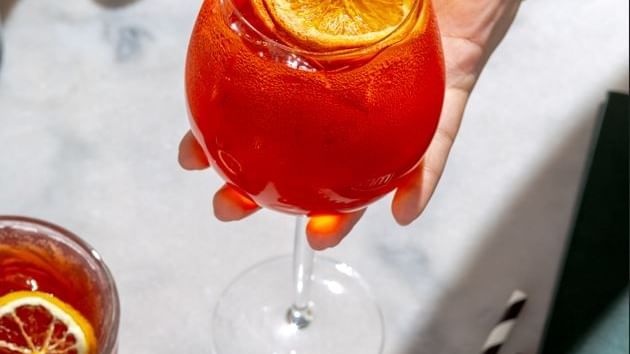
{"x": 590, "y": 310}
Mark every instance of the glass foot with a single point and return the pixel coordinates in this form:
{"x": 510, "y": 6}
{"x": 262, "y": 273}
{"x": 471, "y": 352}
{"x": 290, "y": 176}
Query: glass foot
{"x": 252, "y": 314}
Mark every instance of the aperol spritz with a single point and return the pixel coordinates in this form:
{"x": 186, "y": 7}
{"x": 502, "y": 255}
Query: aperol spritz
{"x": 312, "y": 130}
{"x": 311, "y": 107}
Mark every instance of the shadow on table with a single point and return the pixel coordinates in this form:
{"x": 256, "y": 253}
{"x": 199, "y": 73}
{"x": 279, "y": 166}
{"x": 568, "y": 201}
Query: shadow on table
{"x": 114, "y": 3}
{"x": 5, "y": 9}
{"x": 522, "y": 230}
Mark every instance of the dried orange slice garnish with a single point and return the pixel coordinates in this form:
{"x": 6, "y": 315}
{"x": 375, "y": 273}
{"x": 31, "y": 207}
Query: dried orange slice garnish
{"x": 33, "y": 322}
{"x": 335, "y": 24}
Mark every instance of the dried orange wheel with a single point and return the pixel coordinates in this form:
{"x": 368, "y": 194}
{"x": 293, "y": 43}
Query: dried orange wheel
{"x": 334, "y": 24}
{"x": 33, "y": 322}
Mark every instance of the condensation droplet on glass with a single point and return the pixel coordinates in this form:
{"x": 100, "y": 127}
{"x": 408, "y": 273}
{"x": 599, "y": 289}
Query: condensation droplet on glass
{"x": 236, "y": 27}
{"x": 295, "y": 62}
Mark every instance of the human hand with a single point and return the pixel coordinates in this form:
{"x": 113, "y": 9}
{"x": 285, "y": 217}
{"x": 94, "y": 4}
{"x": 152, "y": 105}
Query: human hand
{"x": 471, "y": 30}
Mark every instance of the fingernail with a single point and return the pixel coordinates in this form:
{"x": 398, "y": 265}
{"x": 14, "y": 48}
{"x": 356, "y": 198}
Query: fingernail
{"x": 224, "y": 215}
{"x": 408, "y": 210}
{"x": 315, "y": 244}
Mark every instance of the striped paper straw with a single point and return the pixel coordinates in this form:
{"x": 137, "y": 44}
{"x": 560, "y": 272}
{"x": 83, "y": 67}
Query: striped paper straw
{"x": 501, "y": 331}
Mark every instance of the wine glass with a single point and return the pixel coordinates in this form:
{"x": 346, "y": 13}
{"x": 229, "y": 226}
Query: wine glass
{"x": 313, "y": 131}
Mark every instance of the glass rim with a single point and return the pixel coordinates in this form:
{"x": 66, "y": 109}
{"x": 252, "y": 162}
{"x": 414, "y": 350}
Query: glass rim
{"x": 47, "y": 228}
{"x": 330, "y": 53}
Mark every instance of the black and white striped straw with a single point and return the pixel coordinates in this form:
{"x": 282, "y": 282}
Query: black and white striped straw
{"x": 501, "y": 331}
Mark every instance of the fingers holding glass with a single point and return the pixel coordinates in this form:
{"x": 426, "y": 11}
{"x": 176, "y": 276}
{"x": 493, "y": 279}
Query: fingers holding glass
{"x": 191, "y": 155}
{"x": 231, "y": 205}
{"x": 324, "y": 231}
{"x": 413, "y": 195}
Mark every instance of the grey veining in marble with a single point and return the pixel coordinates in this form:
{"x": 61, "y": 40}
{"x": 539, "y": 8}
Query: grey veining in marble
{"x": 91, "y": 112}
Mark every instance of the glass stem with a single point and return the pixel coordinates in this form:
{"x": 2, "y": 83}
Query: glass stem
{"x": 300, "y": 313}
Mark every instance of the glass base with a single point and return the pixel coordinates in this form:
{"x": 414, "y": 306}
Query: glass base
{"x": 251, "y": 316}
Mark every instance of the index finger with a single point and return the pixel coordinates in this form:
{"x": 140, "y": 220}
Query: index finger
{"x": 191, "y": 155}
{"x": 413, "y": 195}
{"x": 324, "y": 231}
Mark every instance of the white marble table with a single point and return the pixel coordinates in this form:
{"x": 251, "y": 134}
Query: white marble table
{"x": 92, "y": 107}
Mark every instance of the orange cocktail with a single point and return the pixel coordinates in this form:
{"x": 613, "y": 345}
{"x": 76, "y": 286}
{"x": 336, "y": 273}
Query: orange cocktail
{"x": 56, "y": 295}
{"x": 305, "y": 121}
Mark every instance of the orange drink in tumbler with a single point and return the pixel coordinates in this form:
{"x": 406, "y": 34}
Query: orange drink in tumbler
{"x": 56, "y": 294}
